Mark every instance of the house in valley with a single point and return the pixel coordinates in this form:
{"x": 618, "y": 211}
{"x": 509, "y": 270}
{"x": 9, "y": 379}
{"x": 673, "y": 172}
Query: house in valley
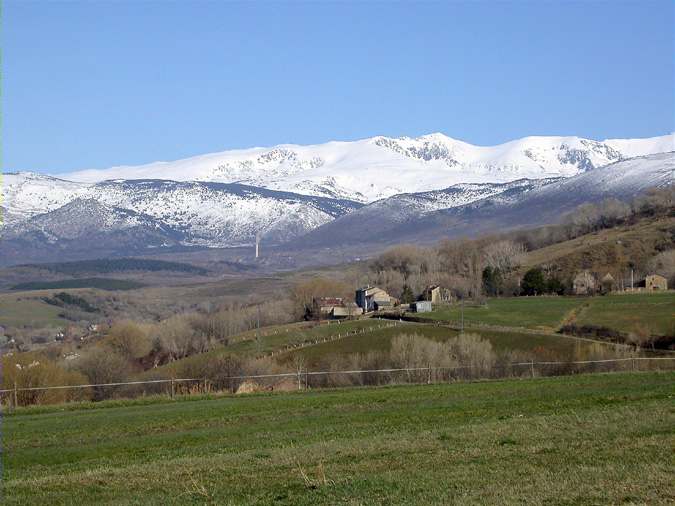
{"x": 436, "y": 294}
{"x": 323, "y": 306}
{"x": 584, "y": 283}
{"x": 372, "y": 298}
{"x": 654, "y": 282}
{"x": 608, "y": 283}
{"x": 334, "y": 308}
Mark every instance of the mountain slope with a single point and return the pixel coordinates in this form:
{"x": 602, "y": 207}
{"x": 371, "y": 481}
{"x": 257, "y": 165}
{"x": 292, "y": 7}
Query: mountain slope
{"x": 519, "y": 204}
{"x": 42, "y": 214}
{"x": 371, "y": 169}
{"x": 125, "y": 217}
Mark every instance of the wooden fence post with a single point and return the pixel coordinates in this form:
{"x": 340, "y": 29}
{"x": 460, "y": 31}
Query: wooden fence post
{"x": 16, "y": 395}
{"x": 172, "y": 388}
{"x": 532, "y": 367}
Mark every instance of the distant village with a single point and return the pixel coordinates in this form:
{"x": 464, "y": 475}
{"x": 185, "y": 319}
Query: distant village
{"x": 587, "y": 283}
{"x": 370, "y": 299}
{"x": 375, "y": 300}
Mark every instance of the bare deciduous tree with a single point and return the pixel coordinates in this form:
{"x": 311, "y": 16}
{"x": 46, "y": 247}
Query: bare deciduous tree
{"x": 506, "y": 256}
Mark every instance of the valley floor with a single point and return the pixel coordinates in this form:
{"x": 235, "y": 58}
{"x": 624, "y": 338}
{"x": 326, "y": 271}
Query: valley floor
{"x": 587, "y": 439}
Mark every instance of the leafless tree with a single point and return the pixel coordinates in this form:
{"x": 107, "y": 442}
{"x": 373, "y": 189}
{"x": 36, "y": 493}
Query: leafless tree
{"x": 504, "y": 255}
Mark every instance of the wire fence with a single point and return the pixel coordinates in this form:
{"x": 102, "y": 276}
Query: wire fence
{"x": 307, "y": 379}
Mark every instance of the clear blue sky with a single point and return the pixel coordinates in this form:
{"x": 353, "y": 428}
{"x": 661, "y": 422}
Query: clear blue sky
{"x": 96, "y": 84}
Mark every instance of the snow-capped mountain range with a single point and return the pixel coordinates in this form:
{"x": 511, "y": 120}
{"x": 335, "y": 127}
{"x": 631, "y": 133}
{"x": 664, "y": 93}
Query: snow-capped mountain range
{"x": 379, "y": 167}
{"x": 287, "y": 192}
{"x": 500, "y": 207}
{"x": 198, "y": 214}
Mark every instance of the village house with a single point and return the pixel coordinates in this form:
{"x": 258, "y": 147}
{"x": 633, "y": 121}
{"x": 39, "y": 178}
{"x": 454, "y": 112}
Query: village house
{"x": 322, "y": 306}
{"x": 334, "y": 308}
{"x": 654, "y": 282}
{"x": 584, "y": 283}
{"x": 437, "y": 295}
{"x": 608, "y": 283}
{"x": 348, "y": 310}
{"x": 372, "y": 298}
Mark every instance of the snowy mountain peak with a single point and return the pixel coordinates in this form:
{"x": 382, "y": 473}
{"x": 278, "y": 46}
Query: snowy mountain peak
{"x": 378, "y": 167}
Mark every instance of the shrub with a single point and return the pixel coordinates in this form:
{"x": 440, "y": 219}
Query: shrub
{"x": 35, "y": 370}
{"x": 102, "y": 364}
{"x": 129, "y": 339}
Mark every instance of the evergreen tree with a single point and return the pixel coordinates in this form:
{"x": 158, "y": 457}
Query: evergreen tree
{"x": 554, "y": 285}
{"x": 492, "y": 281}
{"x": 407, "y": 295}
{"x": 534, "y": 282}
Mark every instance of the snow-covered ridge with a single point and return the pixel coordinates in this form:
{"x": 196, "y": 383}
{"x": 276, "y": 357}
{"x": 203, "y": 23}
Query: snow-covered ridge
{"x": 203, "y": 214}
{"x": 42, "y": 215}
{"x": 371, "y": 169}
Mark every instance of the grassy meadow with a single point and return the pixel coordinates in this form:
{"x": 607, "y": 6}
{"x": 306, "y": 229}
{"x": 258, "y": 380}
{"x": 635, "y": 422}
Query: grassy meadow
{"x": 538, "y": 313}
{"x": 549, "y": 346}
{"x": 28, "y": 311}
{"x": 586, "y": 439}
{"x": 653, "y": 313}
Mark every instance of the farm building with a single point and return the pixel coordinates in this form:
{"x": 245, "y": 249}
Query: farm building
{"x": 608, "y": 283}
{"x": 654, "y": 282}
{"x": 584, "y": 283}
{"x": 334, "y": 307}
{"x": 323, "y": 306}
{"x": 421, "y": 306}
{"x": 436, "y": 294}
{"x": 371, "y": 298}
{"x": 347, "y": 310}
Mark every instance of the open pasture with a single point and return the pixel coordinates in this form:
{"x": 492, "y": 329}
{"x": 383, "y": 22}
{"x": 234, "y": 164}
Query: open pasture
{"x": 587, "y": 439}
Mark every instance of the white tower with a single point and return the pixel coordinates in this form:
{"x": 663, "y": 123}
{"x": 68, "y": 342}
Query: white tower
{"x": 257, "y": 245}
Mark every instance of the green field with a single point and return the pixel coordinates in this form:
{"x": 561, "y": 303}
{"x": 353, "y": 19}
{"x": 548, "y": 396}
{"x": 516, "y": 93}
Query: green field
{"x": 278, "y": 337}
{"x": 24, "y": 311}
{"x": 625, "y": 313}
{"x": 647, "y": 313}
{"x": 558, "y": 347}
{"x": 589, "y": 439}
{"x": 542, "y": 313}
{"x": 378, "y": 336}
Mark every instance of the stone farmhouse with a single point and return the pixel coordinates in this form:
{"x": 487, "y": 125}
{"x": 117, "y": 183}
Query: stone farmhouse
{"x": 584, "y": 283}
{"x": 372, "y": 298}
{"x": 334, "y": 308}
{"x": 653, "y": 283}
{"x": 437, "y": 295}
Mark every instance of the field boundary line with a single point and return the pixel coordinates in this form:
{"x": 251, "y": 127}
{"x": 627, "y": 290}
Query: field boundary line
{"x": 301, "y": 373}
